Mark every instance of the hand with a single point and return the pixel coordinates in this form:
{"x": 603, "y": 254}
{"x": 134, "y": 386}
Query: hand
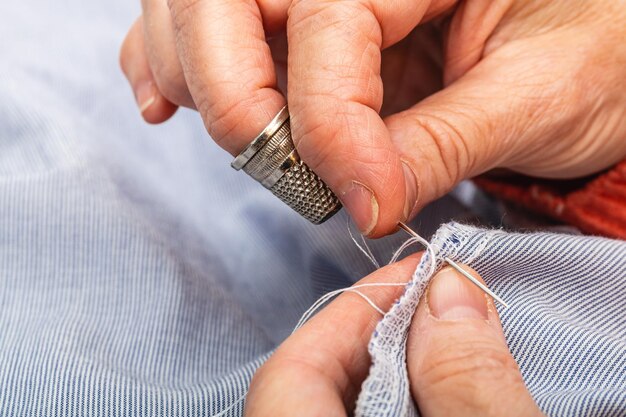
{"x": 457, "y": 355}
{"x": 536, "y": 87}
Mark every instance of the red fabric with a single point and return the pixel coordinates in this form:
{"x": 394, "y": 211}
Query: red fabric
{"x": 595, "y": 205}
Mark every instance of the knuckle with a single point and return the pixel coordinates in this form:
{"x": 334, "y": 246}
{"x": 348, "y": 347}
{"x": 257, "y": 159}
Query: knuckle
{"x": 449, "y": 146}
{"x": 315, "y": 134}
{"x": 307, "y": 17}
{"x": 468, "y": 365}
{"x": 222, "y": 117}
{"x": 170, "y": 80}
{"x": 349, "y": 68}
{"x": 218, "y": 118}
{"x": 301, "y": 10}
{"x": 180, "y": 9}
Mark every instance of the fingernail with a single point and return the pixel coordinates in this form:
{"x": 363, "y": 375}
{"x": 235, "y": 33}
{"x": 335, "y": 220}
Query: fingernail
{"x": 452, "y": 297}
{"x": 411, "y": 190}
{"x": 145, "y": 95}
{"x": 362, "y": 206}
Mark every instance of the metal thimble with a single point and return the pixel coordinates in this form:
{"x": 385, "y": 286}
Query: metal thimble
{"x": 272, "y": 160}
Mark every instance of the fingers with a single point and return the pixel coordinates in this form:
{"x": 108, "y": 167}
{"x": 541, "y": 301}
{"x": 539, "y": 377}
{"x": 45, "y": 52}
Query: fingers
{"x": 228, "y": 67}
{"x": 274, "y": 13}
{"x": 444, "y": 139}
{"x": 486, "y": 119}
{"x": 154, "y": 107}
{"x": 315, "y": 372}
{"x": 524, "y": 106}
{"x": 335, "y": 94}
{"x": 471, "y": 26}
{"x": 160, "y": 44}
{"x": 458, "y": 360}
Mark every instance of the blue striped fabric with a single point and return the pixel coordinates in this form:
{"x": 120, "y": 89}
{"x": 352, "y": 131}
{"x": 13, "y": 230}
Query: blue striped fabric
{"x": 566, "y": 324}
{"x": 141, "y": 276}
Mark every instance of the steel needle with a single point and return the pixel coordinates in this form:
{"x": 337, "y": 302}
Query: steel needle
{"x": 463, "y": 272}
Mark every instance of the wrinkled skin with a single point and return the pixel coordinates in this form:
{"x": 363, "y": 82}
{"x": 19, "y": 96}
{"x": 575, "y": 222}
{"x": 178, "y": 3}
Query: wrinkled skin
{"x": 456, "y": 361}
{"x": 463, "y": 87}
{"x": 532, "y": 86}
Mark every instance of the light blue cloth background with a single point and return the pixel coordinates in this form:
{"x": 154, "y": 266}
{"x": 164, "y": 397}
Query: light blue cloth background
{"x": 565, "y": 324}
{"x": 139, "y": 274}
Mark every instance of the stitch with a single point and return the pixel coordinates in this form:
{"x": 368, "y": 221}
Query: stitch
{"x": 482, "y": 245}
{"x": 429, "y": 264}
{"x": 458, "y": 268}
{"x": 386, "y": 386}
{"x": 394, "y": 327}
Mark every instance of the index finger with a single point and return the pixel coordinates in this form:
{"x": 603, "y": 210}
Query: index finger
{"x": 335, "y": 94}
{"x": 228, "y": 67}
{"x": 329, "y": 353}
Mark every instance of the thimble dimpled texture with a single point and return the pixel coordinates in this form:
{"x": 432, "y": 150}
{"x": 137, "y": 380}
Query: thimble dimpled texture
{"x": 272, "y": 160}
{"x": 301, "y": 189}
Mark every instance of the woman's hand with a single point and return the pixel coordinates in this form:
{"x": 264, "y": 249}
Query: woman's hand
{"x": 457, "y": 356}
{"x": 536, "y": 87}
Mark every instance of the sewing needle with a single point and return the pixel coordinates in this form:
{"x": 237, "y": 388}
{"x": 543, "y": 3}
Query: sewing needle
{"x": 463, "y": 272}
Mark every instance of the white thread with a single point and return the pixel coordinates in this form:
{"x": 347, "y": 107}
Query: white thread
{"x": 317, "y": 305}
{"x": 387, "y": 386}
{"x": 384, "y": 388}
{"x": 367, "y": 251}
{"x": 425, "y": 243}
{"x": 401, "y": 249}
{"x": 365, "y": 248}
{"x": 369, "y": 301}
{"x": 326, "y": 297}
{"x": 354, "y": 289}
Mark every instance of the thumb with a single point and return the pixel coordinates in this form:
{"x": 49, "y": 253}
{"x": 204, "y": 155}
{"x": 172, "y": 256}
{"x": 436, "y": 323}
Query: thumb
{"x": 496, "y": 115}
{"x": 458, "y": 360}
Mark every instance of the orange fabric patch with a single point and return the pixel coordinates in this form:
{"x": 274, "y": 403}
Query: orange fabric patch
{"x": 596, "y": 205}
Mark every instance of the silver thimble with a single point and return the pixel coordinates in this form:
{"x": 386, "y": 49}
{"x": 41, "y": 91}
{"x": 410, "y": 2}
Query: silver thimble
{"x": 272, "y": 160}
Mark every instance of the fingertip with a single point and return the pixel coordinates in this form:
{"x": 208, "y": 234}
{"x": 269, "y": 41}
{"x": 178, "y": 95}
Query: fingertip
{"x": 362, "y": 206}
{"x": 157, "y": 109}
{"x": 412, "y": 191}
{"x": 453, "y": 297}
{"x": 350, "y": 150}
{"x": 152, "y": 105}
{"x": 456, "y": 344}
{"x": 387, "y": 218}
{"x": 335, "y": 95}
{"x": 451, "y": 308}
